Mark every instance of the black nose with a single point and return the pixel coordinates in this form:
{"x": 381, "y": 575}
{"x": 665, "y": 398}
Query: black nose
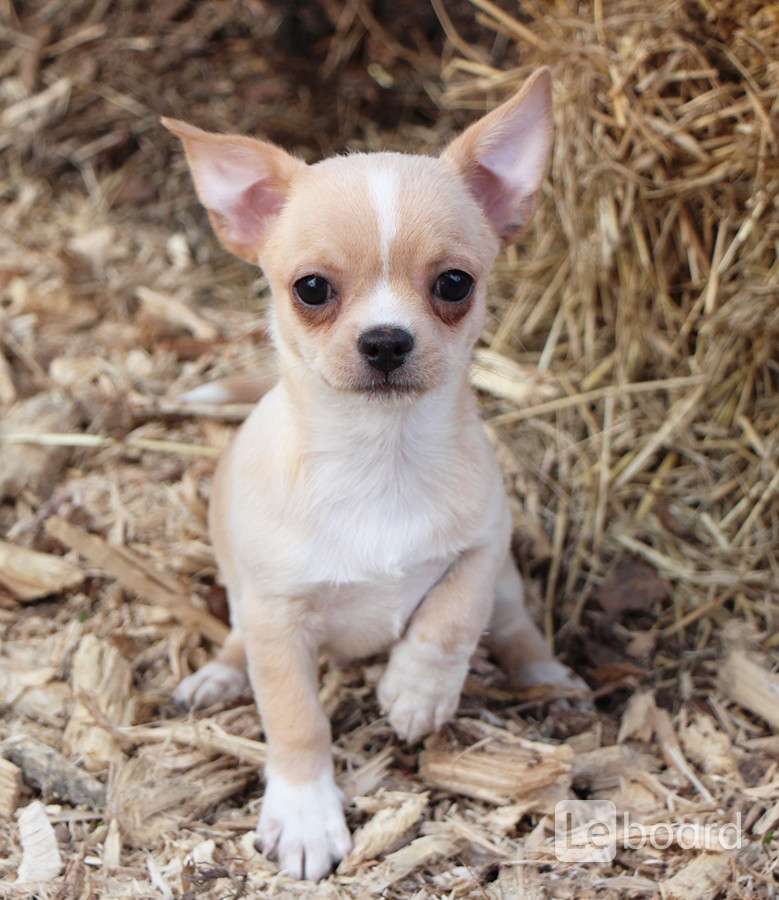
{"x": 385, "y": 348}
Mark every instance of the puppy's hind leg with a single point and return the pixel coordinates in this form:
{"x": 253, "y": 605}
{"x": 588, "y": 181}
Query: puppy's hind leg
{"x": 219, "y": 681}
{"x": 521, "y": 650}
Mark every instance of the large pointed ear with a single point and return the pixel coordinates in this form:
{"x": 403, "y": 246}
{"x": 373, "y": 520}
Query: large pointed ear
{"x": 503, "y": 156}
{"x": 242, "y": 182}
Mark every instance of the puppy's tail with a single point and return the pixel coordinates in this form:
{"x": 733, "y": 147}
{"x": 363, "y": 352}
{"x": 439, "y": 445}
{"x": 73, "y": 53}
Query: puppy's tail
{"x": 236, "y": 389}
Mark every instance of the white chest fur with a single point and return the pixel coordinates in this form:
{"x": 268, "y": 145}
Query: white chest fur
{"x": 360, "y": 516}
{"x": 378, "y": 509}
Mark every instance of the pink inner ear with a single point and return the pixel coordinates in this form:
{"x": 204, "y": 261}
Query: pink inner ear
{"x": 507, "y": 210}
{"x": 503, "y": 156}
{"x": 247, "y": 214}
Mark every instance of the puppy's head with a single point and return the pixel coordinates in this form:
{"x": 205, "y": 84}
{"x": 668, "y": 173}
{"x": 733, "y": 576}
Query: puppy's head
{"x": 378, "y": 262}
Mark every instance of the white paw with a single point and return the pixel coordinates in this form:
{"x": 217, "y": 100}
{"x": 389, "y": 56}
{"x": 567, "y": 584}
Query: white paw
{"x": 216, "y": 682}
{"x": 420, "y": 689}
{"x": 549, "y": 672}
{"x": 303, "y": 825}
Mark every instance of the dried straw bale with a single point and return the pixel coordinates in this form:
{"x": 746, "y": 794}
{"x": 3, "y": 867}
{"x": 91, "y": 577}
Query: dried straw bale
{"x": 651, "y": 259}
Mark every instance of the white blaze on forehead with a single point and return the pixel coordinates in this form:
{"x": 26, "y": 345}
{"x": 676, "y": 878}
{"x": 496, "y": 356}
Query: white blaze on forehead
{"x": 385, "y": 307}
{"x": 383, "y": 191}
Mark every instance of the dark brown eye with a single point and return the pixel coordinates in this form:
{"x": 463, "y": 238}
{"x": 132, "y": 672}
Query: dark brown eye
{"x": 313, "y": 290}
{"x": 453, "y": 286}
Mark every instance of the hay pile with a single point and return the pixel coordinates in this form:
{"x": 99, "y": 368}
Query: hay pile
{"x": 653, "y": 260}
{"x": 628, "y": 375}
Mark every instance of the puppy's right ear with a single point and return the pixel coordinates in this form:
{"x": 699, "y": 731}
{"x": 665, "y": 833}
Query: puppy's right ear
{"x": 242, "y": 182}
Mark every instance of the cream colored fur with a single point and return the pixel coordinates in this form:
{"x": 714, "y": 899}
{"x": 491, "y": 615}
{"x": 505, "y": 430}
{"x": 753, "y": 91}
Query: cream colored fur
{"x": 348, "y": 518}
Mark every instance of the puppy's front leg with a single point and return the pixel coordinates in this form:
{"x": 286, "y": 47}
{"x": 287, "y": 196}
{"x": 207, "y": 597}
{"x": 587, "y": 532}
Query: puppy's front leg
{"x": 421, "y": 687}
{"x": 302, "y": 817}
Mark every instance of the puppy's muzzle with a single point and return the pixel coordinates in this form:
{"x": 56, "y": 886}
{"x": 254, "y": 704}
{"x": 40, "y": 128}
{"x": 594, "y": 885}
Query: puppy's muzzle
{"x": 386, "y": 347}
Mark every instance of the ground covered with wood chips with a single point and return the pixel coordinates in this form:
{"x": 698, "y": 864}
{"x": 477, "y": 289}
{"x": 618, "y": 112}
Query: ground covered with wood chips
{"x": 628, "y": 376}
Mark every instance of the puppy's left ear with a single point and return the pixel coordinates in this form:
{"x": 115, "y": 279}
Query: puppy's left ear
{"x": 242, "y": 182}
{"x": 503, "y": 156}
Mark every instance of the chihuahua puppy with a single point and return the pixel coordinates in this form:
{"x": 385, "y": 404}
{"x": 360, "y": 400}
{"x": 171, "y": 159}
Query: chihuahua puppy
{"x": 360, "y": 507}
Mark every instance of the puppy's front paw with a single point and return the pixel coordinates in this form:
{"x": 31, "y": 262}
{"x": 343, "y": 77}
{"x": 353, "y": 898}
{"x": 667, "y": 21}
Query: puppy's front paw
{"x": 303, "y": 825}
{"x": 420, "y": 689}
{"x": 216, "y": 682}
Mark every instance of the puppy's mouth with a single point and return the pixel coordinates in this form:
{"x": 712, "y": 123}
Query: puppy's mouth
{"x": 384, "y": 386}
{"x": 389, "y": 385}
{"x": 379, "y": 386}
